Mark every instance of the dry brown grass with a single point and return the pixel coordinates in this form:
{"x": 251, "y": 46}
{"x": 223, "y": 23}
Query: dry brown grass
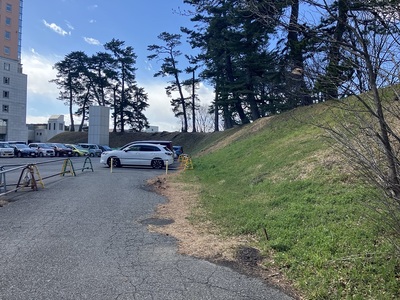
{"x": 201, "y": 239}
{"x": 243, "y": 132}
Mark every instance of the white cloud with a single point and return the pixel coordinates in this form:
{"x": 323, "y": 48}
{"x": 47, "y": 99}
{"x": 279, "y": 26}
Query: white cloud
{"x": 205, "y": 94}
{"x": 148, "y": 66}
{"x": 42, "y": 95}
{"x": 69, "y": 25}
{"x": 92, "y": 41}
{"x": 39, "y": 70}
{"x": 159, "y": 112}
{"x": 57, "y": 29}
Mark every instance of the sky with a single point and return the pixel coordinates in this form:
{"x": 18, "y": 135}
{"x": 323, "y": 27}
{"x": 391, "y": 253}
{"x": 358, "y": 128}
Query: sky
{"x": 51, "y": 29}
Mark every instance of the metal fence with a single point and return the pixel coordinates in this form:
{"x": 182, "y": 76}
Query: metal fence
{"x": 14, "y": 177}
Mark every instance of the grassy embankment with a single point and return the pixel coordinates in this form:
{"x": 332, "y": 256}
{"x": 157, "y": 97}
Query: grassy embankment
{"x": 281, "y": 175}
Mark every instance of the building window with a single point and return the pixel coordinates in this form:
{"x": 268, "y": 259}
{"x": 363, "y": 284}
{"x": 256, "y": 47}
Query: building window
{"x": 60, "y": 127}
{"x": 7, "y": 66}
{"x": 49, "y": 126}
{"x": 8, "y": 21}
{"x": 6, "y": 50}
{"x": 3, "y": 127}
{"x": 6, "y": 94}
{"x": 8, "y": 7}
{"x": 7, "y": 35}
{"x": 6, "y": 80}
{"x": 5, "y": 108}
{"x": 54, "y": 126}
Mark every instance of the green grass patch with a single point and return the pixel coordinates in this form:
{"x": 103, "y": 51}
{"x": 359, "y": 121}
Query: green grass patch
{"x": 321, "y": 231}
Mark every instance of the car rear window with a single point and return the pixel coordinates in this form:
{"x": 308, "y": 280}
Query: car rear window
{"x": 149, "y": 148}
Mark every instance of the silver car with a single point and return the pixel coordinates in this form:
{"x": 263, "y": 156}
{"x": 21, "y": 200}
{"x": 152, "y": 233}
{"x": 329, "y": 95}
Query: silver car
{"x": 93, "y": 149}
{"x": 6, "y": 150}
{"x": 42, "y": 149}
{"x": 156, "y": 156}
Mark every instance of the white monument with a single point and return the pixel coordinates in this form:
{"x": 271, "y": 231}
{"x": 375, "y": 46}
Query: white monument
{"x": 99, "y": 121}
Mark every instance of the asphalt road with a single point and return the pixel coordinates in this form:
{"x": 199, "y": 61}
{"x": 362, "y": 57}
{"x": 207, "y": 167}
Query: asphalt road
{"x": 83, "y": 237}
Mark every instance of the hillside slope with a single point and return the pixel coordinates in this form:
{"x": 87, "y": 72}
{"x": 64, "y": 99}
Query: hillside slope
{"x": 192, "y": 142}
{"x": 278, "y": 186}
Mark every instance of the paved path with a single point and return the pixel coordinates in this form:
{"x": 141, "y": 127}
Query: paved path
{"x": 81, "y": 238}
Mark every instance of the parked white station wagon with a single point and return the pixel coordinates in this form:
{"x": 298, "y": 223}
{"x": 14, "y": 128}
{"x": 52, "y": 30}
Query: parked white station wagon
{"x": 156, "y": 156}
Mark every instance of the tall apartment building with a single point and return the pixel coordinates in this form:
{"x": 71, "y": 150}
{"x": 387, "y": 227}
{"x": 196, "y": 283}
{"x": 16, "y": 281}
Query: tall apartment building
{"x": 13, "y": 83}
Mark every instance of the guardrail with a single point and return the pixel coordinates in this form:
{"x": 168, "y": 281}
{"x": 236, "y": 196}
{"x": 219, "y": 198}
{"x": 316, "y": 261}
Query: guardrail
{"x": 30, "y": 175}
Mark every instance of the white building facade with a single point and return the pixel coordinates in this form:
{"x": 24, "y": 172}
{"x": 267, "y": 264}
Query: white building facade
{"x": 13, "y": 83}
{"x": 56, "y": 125}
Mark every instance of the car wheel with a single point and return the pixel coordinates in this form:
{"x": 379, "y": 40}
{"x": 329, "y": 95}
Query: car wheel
{"x": 19, "y": 154}
{"x": 115, "y": 161}
{"x": 157, "y": 164}
{"x": 91, "y": 155}
{"x": 76, "y": 154}
{"x": 40, "y": 154}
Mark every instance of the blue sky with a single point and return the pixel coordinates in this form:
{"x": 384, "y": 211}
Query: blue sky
{"x": 54, "y": 28}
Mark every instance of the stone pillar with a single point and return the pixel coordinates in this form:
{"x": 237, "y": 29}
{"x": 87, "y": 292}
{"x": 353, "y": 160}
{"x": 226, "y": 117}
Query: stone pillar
{"x": 99, "y": 121}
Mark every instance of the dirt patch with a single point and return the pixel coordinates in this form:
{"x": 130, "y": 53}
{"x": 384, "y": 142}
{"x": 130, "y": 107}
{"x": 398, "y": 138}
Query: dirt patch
{"x": 202, "y": 240}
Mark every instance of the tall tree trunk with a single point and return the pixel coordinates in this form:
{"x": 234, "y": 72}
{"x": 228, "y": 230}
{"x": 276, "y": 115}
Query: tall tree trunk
{"x": 216, "y": 117}
{"x": 216, "y": 111}
{"x": 122, "y": 103}
{"x": 83, "y": 112}
{"x": 236, "y": 100}
{"x": 193, "y": 102}
{"x": 296, "y": 60}
{"x": 333, "y": 74}
{"x": 71, "y": 101}
{"x": 255, "y": 112}
{"x": 183, "y": 104}
{"x": 115, "y": 109}
{"x": 227, "y": 116}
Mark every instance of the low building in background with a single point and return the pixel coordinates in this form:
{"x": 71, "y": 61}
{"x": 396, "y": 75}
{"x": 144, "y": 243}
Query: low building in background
{"x": 98, "y": 129}
{"x": 37, "y": 133}
{"x": 152, "y": 129}
{"x": 55, "y": 125}
{"x": 43, "y": 132}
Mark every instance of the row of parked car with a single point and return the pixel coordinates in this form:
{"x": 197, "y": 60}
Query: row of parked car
{"x": 156, "y": 154}
{"x": 20, "y": 149}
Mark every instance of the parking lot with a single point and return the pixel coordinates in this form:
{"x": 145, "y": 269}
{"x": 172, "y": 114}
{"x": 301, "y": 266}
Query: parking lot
{"x": 85, "y": 237}
{"x": 51, "y": 169}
